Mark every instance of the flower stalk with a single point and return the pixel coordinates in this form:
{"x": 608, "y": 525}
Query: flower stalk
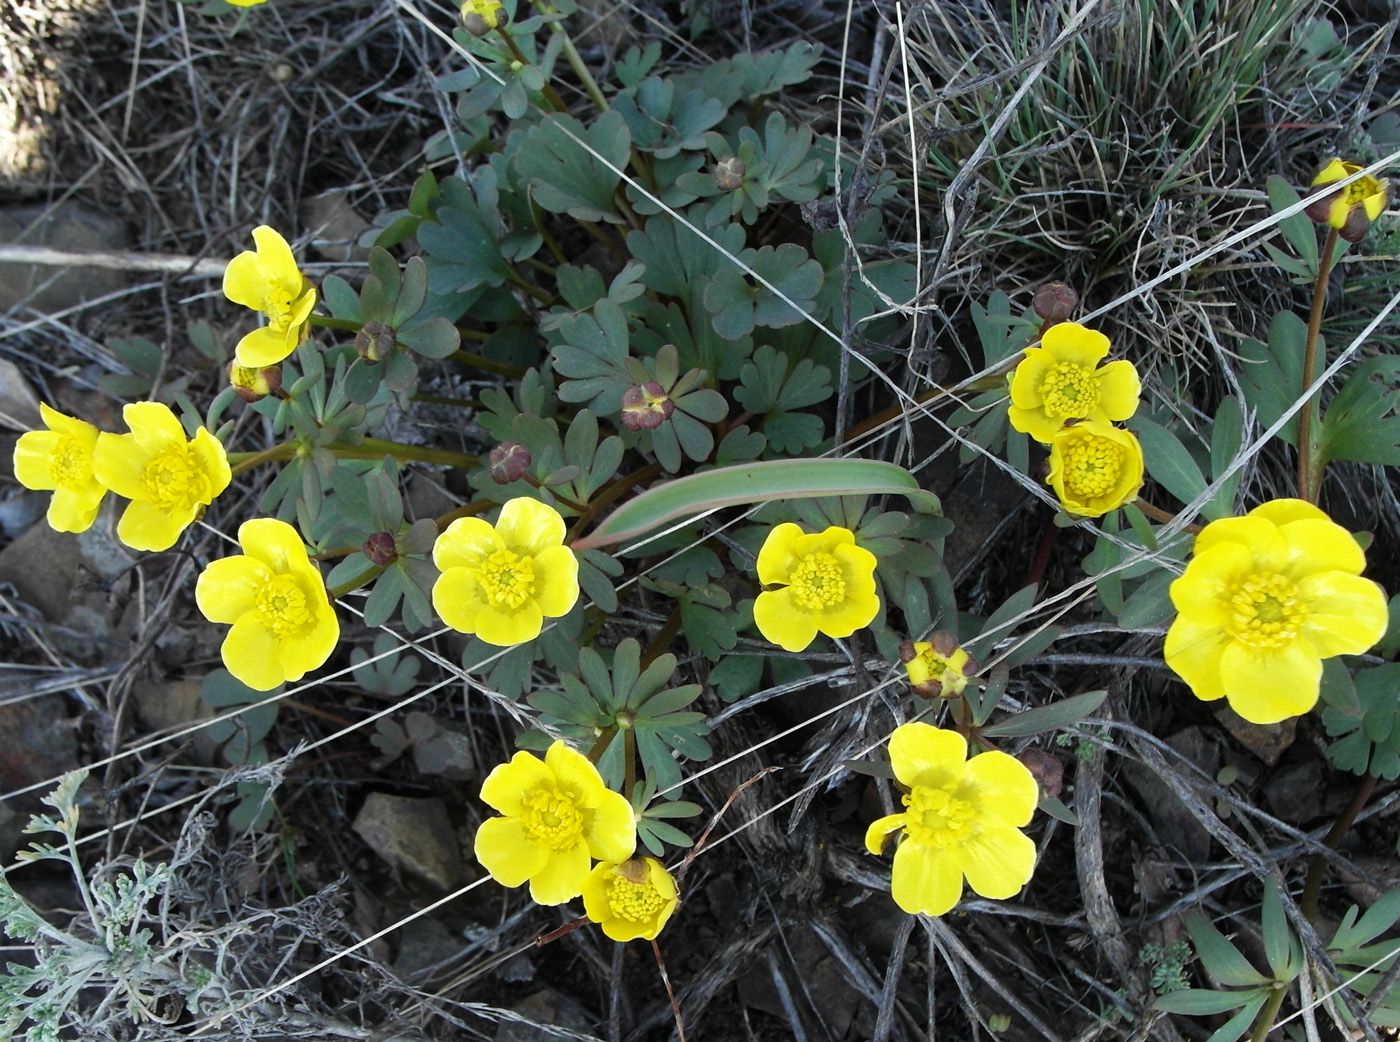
{"x": 1309, "y": 459}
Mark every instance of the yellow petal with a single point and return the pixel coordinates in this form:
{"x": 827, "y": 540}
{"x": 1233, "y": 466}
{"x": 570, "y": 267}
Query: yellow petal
{"x": 1285, "y": 511}
{"x": 595, "y": 892}
{"x": 1269, "y": 551}
{"x": 227, "y": 589}
{"x": 213, "y": 460}
{"x": 879, "y": 831}
{"x": 1035, "y": 423}
{"x": 1267, "y": 688}
{"x": 33, "y": 454}
{"x": 1346, "y": 613}
{"x": 562, "y": 877}
{"x": 1322, "y": 546}
{"x": 1078, "y": 345}
{"x": 465, "y": 543}
{"x": 76, "y": 511}
{"x": 275, "y": 255}
{"x": 1203, "y": 590}
{"x": 120, "y": 464}
{"x": 300, "y": 655}
{"x": 556, "y": 581}
{"x": 302, "y": 308}
{"x": 852, "y": 614}
{"x": 507, "y": 853}
{"x": 265, "y": 346}
{"x": 507, "y": 628}
{"x": 143, "y": 527}
{"x": 275, "y": 543}
{"x": 925, "y": 755}
{"x": 612, "y": 836}
{"x": 1006, "y": 789}
{"x": 1193, "y": 652}
{"x": 1119, "y": 389}
{"x": 250, "y": 654}
{"x": 778, "y": 555}
{"x": 926, "y": 880}
{"x": 572, "y": 770}
{"x": 527, "y": 527}
{"x": 998, "y": 861}
{"x": 1028, "y": 377}
{"x": 153, "y": 426}
{"x": 782, "y": 621}
{"x": 458, "y": 599}
{"x": 244, "y": 282}
{"x": 508, "y": 782}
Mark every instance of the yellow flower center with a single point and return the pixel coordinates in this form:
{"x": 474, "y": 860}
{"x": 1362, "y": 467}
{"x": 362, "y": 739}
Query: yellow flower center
{"x": 552, "y": 819}
{"x": 1359, "y": 191}
{"x": 70, "y": 466}
{"x": 635, "y": 902}
{"x": 175, "y": 480}
{"x": 818, "y": 582}
{"x": 1069, "y": 391}
{"x": 1091, "y": 466}
{"x": 281, "y": 607}
{"x": 937, "y": 818}
{"x": 1266, "y": 611}
{"x": 508, "y": 579}
{"x": 277, "y": 303}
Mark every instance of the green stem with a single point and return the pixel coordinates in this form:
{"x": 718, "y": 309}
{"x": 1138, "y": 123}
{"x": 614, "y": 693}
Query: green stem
{"x": 489, "y": 365}
{"x": 1309, "y": 466}
{"x": 326, "y": 322}
{"x": 575, "y": 60}
{"x": 370, "y": 448}
{"x": 244, "y": 461}
{"x": 549, "y": 92}
{"x": 354, "y": 584}
{"x": 1268, "y": 1015}
{"x": 601, "y": 745}
{"x": 1317, "y": 866}
{"x": 664, "y": 636}
{"x": 629, "y": 762}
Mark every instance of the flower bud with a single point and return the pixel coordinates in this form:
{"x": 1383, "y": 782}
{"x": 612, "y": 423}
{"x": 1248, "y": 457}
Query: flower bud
{"x": 646, "y": 407}
{"x": 1054, "y": 302}
{"x": 375, "y": 342}
{"x": 1046, "y": 769}
{"x": 253, "y": 384}
{"x": 937, "y": 668}
{"x": 381, "y": 549}
{"x": 479, "y": 17}
{"x": 729, "y": 174}
{"x": 509, "y": 462}
{"x": 1351, "y": 209}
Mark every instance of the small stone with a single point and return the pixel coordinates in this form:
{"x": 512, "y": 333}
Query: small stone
{"x": 545, "y": 1008}
{"x": 1266, "y": 741}
{"x": 414, "y": 835}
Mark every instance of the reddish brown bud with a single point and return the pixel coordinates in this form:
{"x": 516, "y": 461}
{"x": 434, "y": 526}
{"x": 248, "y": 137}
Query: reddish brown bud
{"x": 1046, "y": 769}
{"x": 479, "y": 17}
{"x": 729, "y": 174}
{"x": 381, "y": 549}
{"x": 375, "y": 342}
{"x": 253, "y": 384}
{"x": 646, "y": 407}
{"x": 509, "y": 462}
{"x": 1054, "y": 302}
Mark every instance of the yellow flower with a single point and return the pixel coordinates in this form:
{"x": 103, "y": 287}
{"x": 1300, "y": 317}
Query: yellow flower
{"x": 501, "y": 583}
{"x": 269, "y": 281}
{"x": 60, "y": 459}
{"x": 1264, "y": 600}
{"x": 630, "y": 900}
{"x": 168, "y": 479}
{"x": 479, "y": 17}
{"x": 828, "y": 586}
{"x": 1350, "y": 209}
{"x": 939, "y": 669}
{"x": 1094, "y": 468}
{"x": 283, "y": 622}
{"x": 1058, "y": 381}
{"x": 963, "y": 820}
{"x": 558, "y": 815}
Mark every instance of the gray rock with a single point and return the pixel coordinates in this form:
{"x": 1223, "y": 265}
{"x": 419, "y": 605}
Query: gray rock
{"x": 68, "y": 226}
{"x": 413, "y": 835}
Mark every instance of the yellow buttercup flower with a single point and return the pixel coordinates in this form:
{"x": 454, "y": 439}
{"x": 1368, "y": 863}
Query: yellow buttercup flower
{"x": 558, "y": 815}
{"x": 268, "y": 280}
{"x": 1094, "y": 468}
{"x": 60, "y": 459}
{"x": 1264, "y": 600}
{"x": 937, "y": 669}
{"x": 828, "y": 586}
{"x": 283, "y": 622}
{"x": 962, "y": 820}
{"x": 502, "y": 582}
{"x": 631, "y": 900}
{"x": 169, "y": 480}
{"x": 1350, "y": 209}
{"x": 1058, "y": 381}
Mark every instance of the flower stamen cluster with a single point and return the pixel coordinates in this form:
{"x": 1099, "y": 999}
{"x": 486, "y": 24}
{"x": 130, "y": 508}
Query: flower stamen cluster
{"x": 632, "y": 900}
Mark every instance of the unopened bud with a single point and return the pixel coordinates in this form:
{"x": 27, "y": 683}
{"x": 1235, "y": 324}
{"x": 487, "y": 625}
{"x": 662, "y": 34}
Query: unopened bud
{"x": 1054, "y": 302}
{"x": 375, "y": 342}
{"x": 1046, "y": 769}
{"x": 646, "y": 407}
{"x": 937, "y": 668}
{"x": 381, "y": 549}
{"x": 509, "y": 462}
{"x": 479, "y": 17}
{"x": 254, "y": 383}
{"x": 729, "y": 174}
{"x": 1351, "y": 209}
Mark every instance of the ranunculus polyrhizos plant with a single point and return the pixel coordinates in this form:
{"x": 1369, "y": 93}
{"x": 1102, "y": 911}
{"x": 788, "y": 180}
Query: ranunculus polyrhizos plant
{"x": 962, "y": 820}
{"x": 826, "y": 585}
{"x": 1094, "y": 468}
{"x": 1061, "y": 380}
{"x": 60, "y": 460}
{"x": 273, "y": 596}
{"x": 1265, "y": 598}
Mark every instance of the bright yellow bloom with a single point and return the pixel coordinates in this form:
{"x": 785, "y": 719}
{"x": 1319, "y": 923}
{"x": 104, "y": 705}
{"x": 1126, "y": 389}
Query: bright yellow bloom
{"x": 168, "y": 479}
{"x": 1264, "y": 600}
{"x": 245, "y": 3}
{"x": 558, "y": 815}
{"x": 963, "y": 820}
{"x": 939, "y": 669}
{"x": 1366, "y": 195}
{"x": 828, "y": 586}
{"x": 269, "y": 281}
{"x": 60, "y": 459}
{"x": 501, "y": 583}
{"x": 1094, "y": 468}
{"x": 479, "y": 17}
{"x": 1058, "y": 381}
{"x": 630, "y": 900}
{"x": 283, "y": 622}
